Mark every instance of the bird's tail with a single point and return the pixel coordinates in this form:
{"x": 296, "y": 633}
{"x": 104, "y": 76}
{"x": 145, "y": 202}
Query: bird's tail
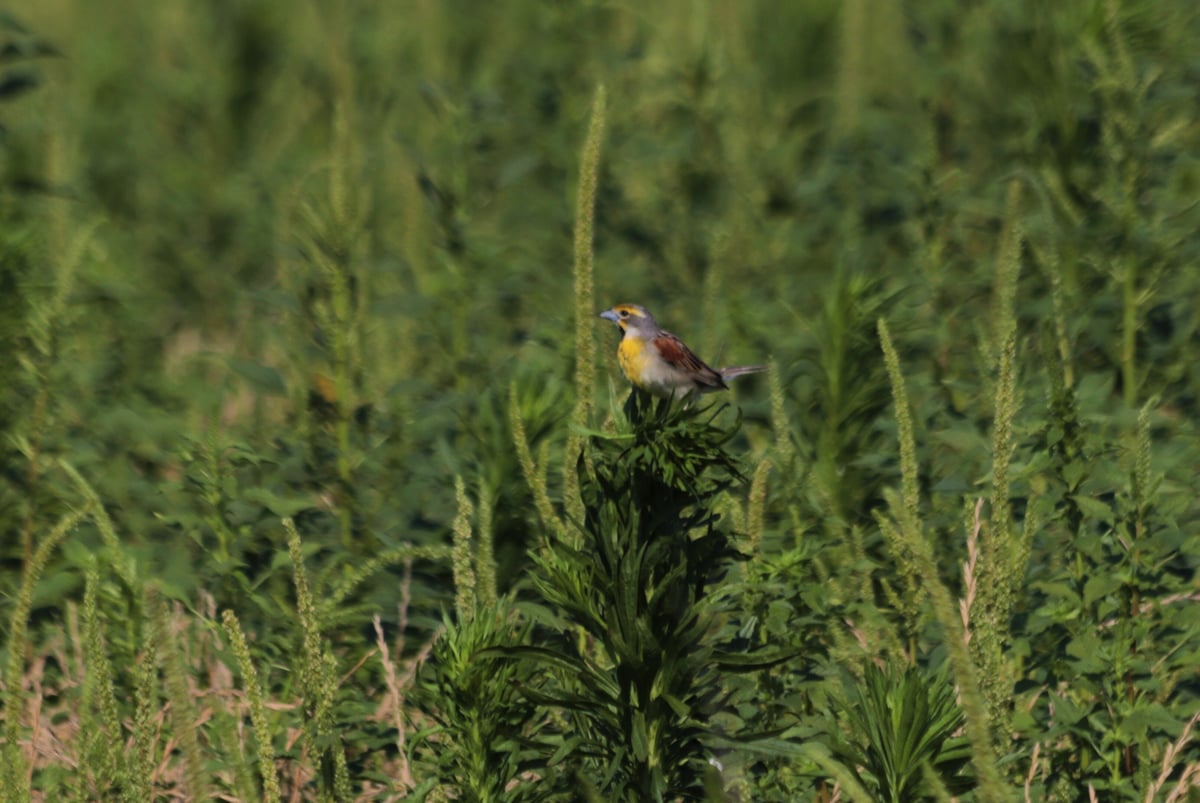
{"x": 730, "y": 373}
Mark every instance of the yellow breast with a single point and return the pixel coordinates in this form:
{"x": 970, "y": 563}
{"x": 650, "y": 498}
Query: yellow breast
{"x": 633, "y": 355}
{"x": 643, "y": 366}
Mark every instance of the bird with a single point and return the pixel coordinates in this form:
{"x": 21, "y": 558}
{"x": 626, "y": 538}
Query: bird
{"x": 659, "y": 363}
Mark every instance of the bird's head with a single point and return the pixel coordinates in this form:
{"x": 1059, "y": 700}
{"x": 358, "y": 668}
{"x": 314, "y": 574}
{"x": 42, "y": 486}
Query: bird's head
{"x": 631, "y": 317}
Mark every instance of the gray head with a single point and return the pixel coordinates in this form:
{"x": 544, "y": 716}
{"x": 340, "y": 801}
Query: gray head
{"x": 631, "y": 316}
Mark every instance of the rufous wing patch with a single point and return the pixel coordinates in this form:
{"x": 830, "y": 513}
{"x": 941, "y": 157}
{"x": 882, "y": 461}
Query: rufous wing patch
{"x": 680, "y": 356}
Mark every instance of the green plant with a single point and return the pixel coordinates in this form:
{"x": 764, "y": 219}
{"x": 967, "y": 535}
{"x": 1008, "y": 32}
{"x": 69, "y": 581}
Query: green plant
{"x": 642, "y": 679}
{"x": 903, "y": 724}
{"x": 1116, "y": 616}
{"x": 265, "y": 260}
{"x": 14, "y": 784}
{"x": 490, "y": 739}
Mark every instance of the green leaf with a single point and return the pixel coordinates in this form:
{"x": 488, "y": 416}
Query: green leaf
{"x": 640, "y": 739}
{"x": 1100, "y": 585}
{"x": 1094, "y": 508}
{"x": 753, "y": 661}
{"x": 1148, "y": 720}
{"x": 263, "y": 377}
{"x": 279, "y": 506}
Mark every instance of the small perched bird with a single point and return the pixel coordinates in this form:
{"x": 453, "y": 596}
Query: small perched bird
{"x": 659, "y": 363}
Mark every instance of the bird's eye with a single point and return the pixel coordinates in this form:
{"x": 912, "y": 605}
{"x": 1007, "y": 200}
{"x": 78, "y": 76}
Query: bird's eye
{"x": 624, "y": 313}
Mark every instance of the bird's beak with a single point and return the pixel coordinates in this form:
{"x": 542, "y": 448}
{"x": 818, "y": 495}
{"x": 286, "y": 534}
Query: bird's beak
{"x": 609, "y": 315}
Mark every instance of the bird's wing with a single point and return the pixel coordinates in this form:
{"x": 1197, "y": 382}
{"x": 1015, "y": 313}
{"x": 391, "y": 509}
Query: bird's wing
{"x": 681, "y": 357}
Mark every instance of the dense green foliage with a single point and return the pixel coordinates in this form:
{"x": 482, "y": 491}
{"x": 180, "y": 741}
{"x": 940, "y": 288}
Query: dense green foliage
{"x": 314, "y": 459}
{"x": 636, "y": 581}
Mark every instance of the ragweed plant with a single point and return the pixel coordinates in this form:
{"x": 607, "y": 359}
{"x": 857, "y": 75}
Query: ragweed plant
{"x": 905, "y": 531}
{"x": 13, "y": 781}
{"x": 1117, "y": 615}
{"x": 585, "y": 365}
{"x": 318, "y": 683}
{"x": 257, "y": 705}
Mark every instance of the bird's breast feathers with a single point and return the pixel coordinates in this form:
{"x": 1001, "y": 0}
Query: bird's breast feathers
{"x": 633, "y": 356}
{"x": 664, "y": 366}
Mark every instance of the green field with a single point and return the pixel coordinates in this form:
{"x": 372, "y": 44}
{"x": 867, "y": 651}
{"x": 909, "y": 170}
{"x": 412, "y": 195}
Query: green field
{"x": 320, "y": 480}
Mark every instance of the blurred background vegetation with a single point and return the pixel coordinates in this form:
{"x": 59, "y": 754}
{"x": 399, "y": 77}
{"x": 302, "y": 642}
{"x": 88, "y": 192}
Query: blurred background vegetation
{"x": 265, "y": 259}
